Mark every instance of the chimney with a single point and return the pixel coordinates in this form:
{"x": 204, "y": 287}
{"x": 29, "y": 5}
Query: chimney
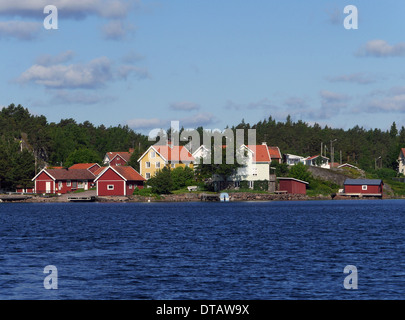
{"x": 264, "y": 143}
{"x": 131, "y": 150}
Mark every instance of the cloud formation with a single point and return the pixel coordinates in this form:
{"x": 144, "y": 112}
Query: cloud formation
{"x": 71, "y": 9}
{"x": 22, "y": 30}
{"x": 381, "y": 48}
{"x": 50, "y": 73}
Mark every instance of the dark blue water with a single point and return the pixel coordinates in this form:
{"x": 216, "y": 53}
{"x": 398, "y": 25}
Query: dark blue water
{"x": 250, "y": 250}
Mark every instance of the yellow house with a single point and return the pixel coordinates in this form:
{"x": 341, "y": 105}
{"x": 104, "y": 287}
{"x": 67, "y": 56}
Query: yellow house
{"x": 157, "y": 157}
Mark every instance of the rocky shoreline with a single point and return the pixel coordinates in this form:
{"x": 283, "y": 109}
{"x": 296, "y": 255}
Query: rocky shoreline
{"x": 185, "y": 197}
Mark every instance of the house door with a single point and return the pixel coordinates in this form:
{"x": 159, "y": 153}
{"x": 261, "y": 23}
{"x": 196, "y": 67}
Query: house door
{"x": 48, "y": 187}
{"x": 86, "y": 185}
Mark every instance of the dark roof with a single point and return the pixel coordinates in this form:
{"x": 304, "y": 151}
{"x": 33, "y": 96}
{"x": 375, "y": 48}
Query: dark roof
{"x": 71, "y": 174}
{"x": 292, "y": 179}
{"x": 360, "y": 182}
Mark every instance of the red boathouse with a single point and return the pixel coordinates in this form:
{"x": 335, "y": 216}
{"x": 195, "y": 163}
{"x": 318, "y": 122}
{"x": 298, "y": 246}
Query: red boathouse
{"x": 118, "y": 181}
{"x": 364, "y": 187}
{"x": 292, "y": 185}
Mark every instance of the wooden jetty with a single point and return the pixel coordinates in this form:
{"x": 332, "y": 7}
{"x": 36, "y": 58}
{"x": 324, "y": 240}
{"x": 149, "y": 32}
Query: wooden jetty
{"x": 209, "y": 197}
{"x": 82, "y": 199}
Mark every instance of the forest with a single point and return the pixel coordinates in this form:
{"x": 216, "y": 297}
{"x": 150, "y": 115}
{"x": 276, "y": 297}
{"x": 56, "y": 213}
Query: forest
{"x": 28, "y": 142}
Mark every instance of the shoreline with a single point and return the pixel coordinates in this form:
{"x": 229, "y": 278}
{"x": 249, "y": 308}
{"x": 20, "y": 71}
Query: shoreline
{"x": 185, "y": 197}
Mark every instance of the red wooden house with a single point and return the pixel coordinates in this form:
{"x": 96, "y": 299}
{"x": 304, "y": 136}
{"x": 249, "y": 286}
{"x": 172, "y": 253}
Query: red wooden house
{"x": 364, "y": 187}
{"x": 118, "y": 181}
{"x": 62, "y": 180}
{"x": 118, "y": 158}
{"x": 292, "y": 185}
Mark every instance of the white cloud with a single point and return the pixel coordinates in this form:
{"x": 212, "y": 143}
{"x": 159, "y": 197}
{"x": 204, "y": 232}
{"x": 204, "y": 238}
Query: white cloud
{"x": 142, "y": 123}
{"x": 47, "y": 59}
{"x": 185, "y": 106}
{"x": 50, "y": 73}
{"x": 68, "y": 8}
{"x": 201, "y": 119}
{"x": 78, "y": 98}
{"x": 381, "y": 48}
{"x": 22, "y": 30}
{"x": 94, "y": 74}
{"x": 117, "y": 30}
{"x": 333, "y": 100}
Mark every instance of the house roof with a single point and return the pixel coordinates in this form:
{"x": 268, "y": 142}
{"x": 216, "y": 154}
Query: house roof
{"x": 314, "y": 157}
{"x": 125, "y": 172}
{"x": 292, "y": 179}
{"x": 123, "y": 154}
{"x": 99, "y": 170}
{"x": 359, "y": 182}
{"x": 260, "y": 153}
{"x": 68, "y": 174}
{"x": 174, "y": 153}
{"x": 274, "y": 152}
{"x": 402, "y": 151}
{"x": 83, "y": 165}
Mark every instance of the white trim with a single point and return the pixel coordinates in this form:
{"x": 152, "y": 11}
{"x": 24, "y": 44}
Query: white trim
{"x": 99, "y": 176}
{"x": 152, "y": 147}
{"x": 97, "y": 188}
{"x": 125, "y": 188}
{"x": 285, "y": 178}
{"x": 120, "y": 157}
{"x": 44, "y": 169}
{"x": 110, "y": 185}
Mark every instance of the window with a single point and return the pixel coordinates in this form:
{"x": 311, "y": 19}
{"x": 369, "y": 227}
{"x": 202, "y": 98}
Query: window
{"x": 74, "y": 184}
{"x": 147, "y": 175}
{"x": 68, "y": 183}
{"x": 157, "y": 164}
{"x": 80, "y": 185}
{"x": 130, "y": 186}
{"x": 254, "y": 171}
{"x": 153, "y": 154}
{"x": 110, "y": 187}
{"x": 364, "y": 187}
{"x": 147, "y": 164}
{"x": 251, "y": 184}
{"x": 173, "y": 165}
{"x": 60, "y": 185}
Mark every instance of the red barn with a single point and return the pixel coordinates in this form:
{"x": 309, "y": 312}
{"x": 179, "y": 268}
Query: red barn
{"x": 292, "y": 185}
{"x": 364, "y": 187}
{"x": 62, "y": 180}
{"x": 118, "y": 181}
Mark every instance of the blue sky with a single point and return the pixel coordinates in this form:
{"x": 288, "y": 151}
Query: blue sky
{"x": 209, "y": 63}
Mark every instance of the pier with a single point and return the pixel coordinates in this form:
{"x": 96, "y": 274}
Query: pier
{"x": 209, "y": 197}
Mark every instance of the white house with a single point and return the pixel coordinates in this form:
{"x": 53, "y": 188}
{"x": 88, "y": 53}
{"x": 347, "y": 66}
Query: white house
{"x": 318, "y": 161}
{"x": 292, "y": 159}
{"x": 401, "y": 161}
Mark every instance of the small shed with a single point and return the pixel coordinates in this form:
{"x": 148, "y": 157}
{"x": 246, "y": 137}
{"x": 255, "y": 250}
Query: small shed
{"x": 292, "y": 185}
{"x": 364, "y": 187}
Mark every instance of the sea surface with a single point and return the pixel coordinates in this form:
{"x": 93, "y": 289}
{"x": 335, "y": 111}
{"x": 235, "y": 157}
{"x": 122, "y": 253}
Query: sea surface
{"x": 245, "y": 250}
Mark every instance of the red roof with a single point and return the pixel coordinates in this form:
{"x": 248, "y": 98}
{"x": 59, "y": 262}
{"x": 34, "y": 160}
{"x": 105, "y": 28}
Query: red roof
{"x": 275, "y": 152}
{"x": 83, "y": 165}
{"x": 261, "y": 154}
{"x": 127, "y": 172}
{"x": 403, "y": 151}
{"x": 175, "y": 153}
{"x": 123, "y": 154}
{"x": 67, "y": 174}
{"x": 99, "y": 170}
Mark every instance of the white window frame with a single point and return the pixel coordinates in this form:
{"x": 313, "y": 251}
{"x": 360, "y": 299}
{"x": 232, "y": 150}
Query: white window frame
{"x": 173, "y": 165}
{"x": 251, "y": 184}
{"x": 68, "y": 183}
{"x": 110, "y": 187}
{"x": 364, "y": 187}
{"x": 130, "y": 186}
{"x": 147, "y": 164}
{"x": 60, "y": 185}
{"x": 153, "y": 154}
{"x": 157, "y": 164}
{"x": 147, "y": 175}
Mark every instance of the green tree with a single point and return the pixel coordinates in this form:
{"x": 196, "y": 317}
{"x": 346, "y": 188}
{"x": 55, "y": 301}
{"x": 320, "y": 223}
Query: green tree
{"x": 300, "y": 172}
{"x": 82, "y": 156}
{"x": 162, "y": 182}
{"x": 182, "y": 177}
